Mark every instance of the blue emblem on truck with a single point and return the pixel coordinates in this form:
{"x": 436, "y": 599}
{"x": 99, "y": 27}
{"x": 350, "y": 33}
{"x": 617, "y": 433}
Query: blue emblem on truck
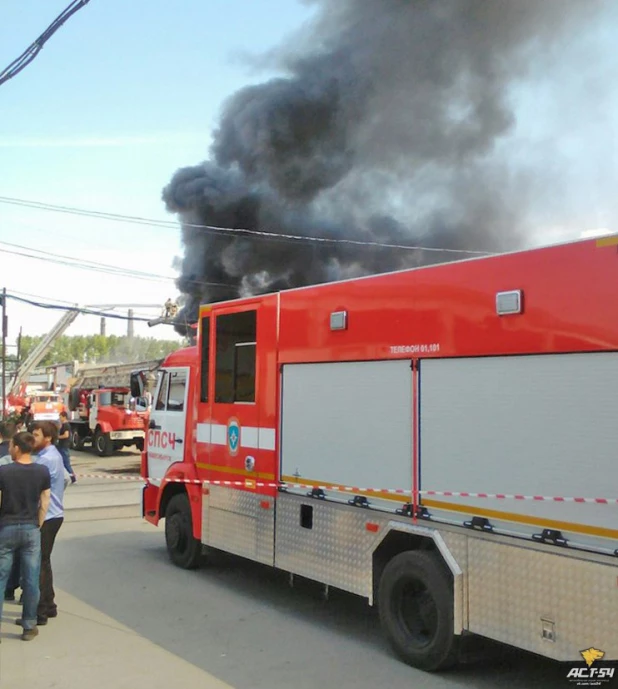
{"x": 233, "y": 436}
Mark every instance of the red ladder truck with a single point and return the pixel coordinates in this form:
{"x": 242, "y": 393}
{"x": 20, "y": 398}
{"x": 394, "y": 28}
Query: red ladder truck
{"x": 440, "y": 441}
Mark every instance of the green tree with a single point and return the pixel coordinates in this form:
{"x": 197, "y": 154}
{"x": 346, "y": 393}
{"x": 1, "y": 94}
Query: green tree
{"x": 100, "y": 349}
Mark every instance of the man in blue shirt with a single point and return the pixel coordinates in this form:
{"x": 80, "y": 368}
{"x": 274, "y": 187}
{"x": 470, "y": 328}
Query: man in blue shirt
{"x": 45, "y": 435}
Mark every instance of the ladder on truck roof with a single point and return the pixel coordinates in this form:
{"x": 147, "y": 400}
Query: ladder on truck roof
{"x": 111, "y": 374}
{"x": 41, "y": 349}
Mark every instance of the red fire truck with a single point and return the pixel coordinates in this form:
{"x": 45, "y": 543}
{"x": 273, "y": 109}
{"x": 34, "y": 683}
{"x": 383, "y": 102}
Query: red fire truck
{"x": 441, "y": 441}
{"x": 107, "y": 418}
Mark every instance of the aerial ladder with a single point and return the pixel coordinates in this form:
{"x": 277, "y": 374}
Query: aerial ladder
{"x": 37, "y": 354}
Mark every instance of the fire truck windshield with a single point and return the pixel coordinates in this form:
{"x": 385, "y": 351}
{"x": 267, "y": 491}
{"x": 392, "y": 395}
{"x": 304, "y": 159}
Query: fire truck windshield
{"x": 52, "y": 399}
{"x": 110, "y": 398}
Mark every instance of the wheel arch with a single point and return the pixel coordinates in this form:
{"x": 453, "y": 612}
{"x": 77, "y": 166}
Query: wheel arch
{"x": 400, "y": 537}
{"x": 193, "y": 494}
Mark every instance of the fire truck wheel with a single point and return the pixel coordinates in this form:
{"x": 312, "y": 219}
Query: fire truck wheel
{"x": 76, "y": 441}
{"x": 184, "y": 550}
{"x": 103, "y": 444}
{"x": 415, "y": 601}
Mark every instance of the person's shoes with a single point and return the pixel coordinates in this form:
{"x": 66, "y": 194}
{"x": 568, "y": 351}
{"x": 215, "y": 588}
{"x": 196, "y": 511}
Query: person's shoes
{"x": 41, "y": 621}
{"x": 29, "y": 634}
{"x": 52, "y": 613}
{"x": 9, "y": 595}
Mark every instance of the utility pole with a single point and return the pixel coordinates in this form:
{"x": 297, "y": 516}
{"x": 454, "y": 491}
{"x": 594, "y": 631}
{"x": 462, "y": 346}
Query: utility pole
{"x": 130, "y": 325}
{"x": 5, "y": 328}
{"x": 102, "y": 327}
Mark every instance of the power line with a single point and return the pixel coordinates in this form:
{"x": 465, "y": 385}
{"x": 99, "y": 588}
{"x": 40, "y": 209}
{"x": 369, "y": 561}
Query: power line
{"x": 91, "y": 306}
{"x": 35, "y": 48}
{"x": 53, "y": 302}
{"x": 79, "y": 263}
{"x": 234, "y": 231}
{"x": 39, "y": 296}
{"x": 74, "y": 262}
{"x": 47, "y": 259}
{"x": 77, "y": 309}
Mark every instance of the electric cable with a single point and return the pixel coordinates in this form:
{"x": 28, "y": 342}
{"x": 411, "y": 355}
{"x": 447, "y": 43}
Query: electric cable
{"x": 234, "y": 231}
{"x": 77, "y": 309}
{"x": 74, "y": 262}
{"x": 35, "y": 48}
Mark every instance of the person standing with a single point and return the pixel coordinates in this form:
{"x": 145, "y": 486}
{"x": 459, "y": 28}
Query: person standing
{"x": 7, "y": 431}
{"x": 25, "y": 493}
{"x": 64, "y": 443}
{"x": 45, "y": 436}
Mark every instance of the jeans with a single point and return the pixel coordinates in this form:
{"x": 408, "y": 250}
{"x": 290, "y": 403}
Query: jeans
{"x": 24, "y": 539}
{"x": 14, "y": 578}
{"x": 47, "y": 604}
{"x": 66, "y": 459}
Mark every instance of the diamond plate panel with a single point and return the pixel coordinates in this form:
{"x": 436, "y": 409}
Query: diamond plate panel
{"x": 233, "y": 500}
{"x": 458, "y": 547}
{"x": 205, "y": 510}
{"x": 265, "y": 546}
{"x": 336, "y": 551}
{"x": 234, "y": 521}
{"x": 234, "y": 533}
{"x": 512, "y": 588}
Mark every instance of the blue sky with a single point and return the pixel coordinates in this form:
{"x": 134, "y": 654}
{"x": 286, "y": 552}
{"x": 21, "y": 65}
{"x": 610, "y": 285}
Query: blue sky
{"x": 120, "y": 97}
{"x": 127, "y": 91}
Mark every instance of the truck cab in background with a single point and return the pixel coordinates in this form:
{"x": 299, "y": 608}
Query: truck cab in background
{"x": 106, "y": 418}
{"x": 45, "y": 406}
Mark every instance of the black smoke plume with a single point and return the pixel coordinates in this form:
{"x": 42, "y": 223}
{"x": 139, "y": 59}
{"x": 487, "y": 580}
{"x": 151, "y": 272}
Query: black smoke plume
{"x": 384, "y": 127}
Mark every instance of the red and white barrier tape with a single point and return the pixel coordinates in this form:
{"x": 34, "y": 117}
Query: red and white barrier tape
{"x": 355, "y": 489}
{"x": 517, "y": 496}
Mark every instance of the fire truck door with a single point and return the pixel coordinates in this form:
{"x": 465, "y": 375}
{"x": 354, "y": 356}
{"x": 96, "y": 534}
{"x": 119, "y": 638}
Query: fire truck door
{"x": 239, "y": 518}
{"x": 166, "y": 434}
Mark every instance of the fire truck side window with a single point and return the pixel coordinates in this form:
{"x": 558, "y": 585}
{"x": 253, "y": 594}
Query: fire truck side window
{"x": 177, "y": 386}
{"x": 236, "y": 356}
{"x": 160, "y": 406}
{"x": 205, "y": 358}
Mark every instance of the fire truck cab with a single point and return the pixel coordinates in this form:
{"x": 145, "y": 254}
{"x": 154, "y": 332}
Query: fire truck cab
{"x": 106, "y": 418}
{"x": 45, "y": 406}
{"x": 440, "y": 441}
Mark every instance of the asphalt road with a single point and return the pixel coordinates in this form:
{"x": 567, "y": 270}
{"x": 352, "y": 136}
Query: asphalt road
{"x": 128, "y": 617}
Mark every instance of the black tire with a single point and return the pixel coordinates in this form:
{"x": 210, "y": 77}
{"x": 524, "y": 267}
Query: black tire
{"x": 183, "y": 549}
{"x": 77, "y": 442}
{"x": 415, "y": 600}
{"x": 102, "y": 444}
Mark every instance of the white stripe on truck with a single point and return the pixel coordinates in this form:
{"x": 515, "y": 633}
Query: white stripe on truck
{"x": 251, "y": 437}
